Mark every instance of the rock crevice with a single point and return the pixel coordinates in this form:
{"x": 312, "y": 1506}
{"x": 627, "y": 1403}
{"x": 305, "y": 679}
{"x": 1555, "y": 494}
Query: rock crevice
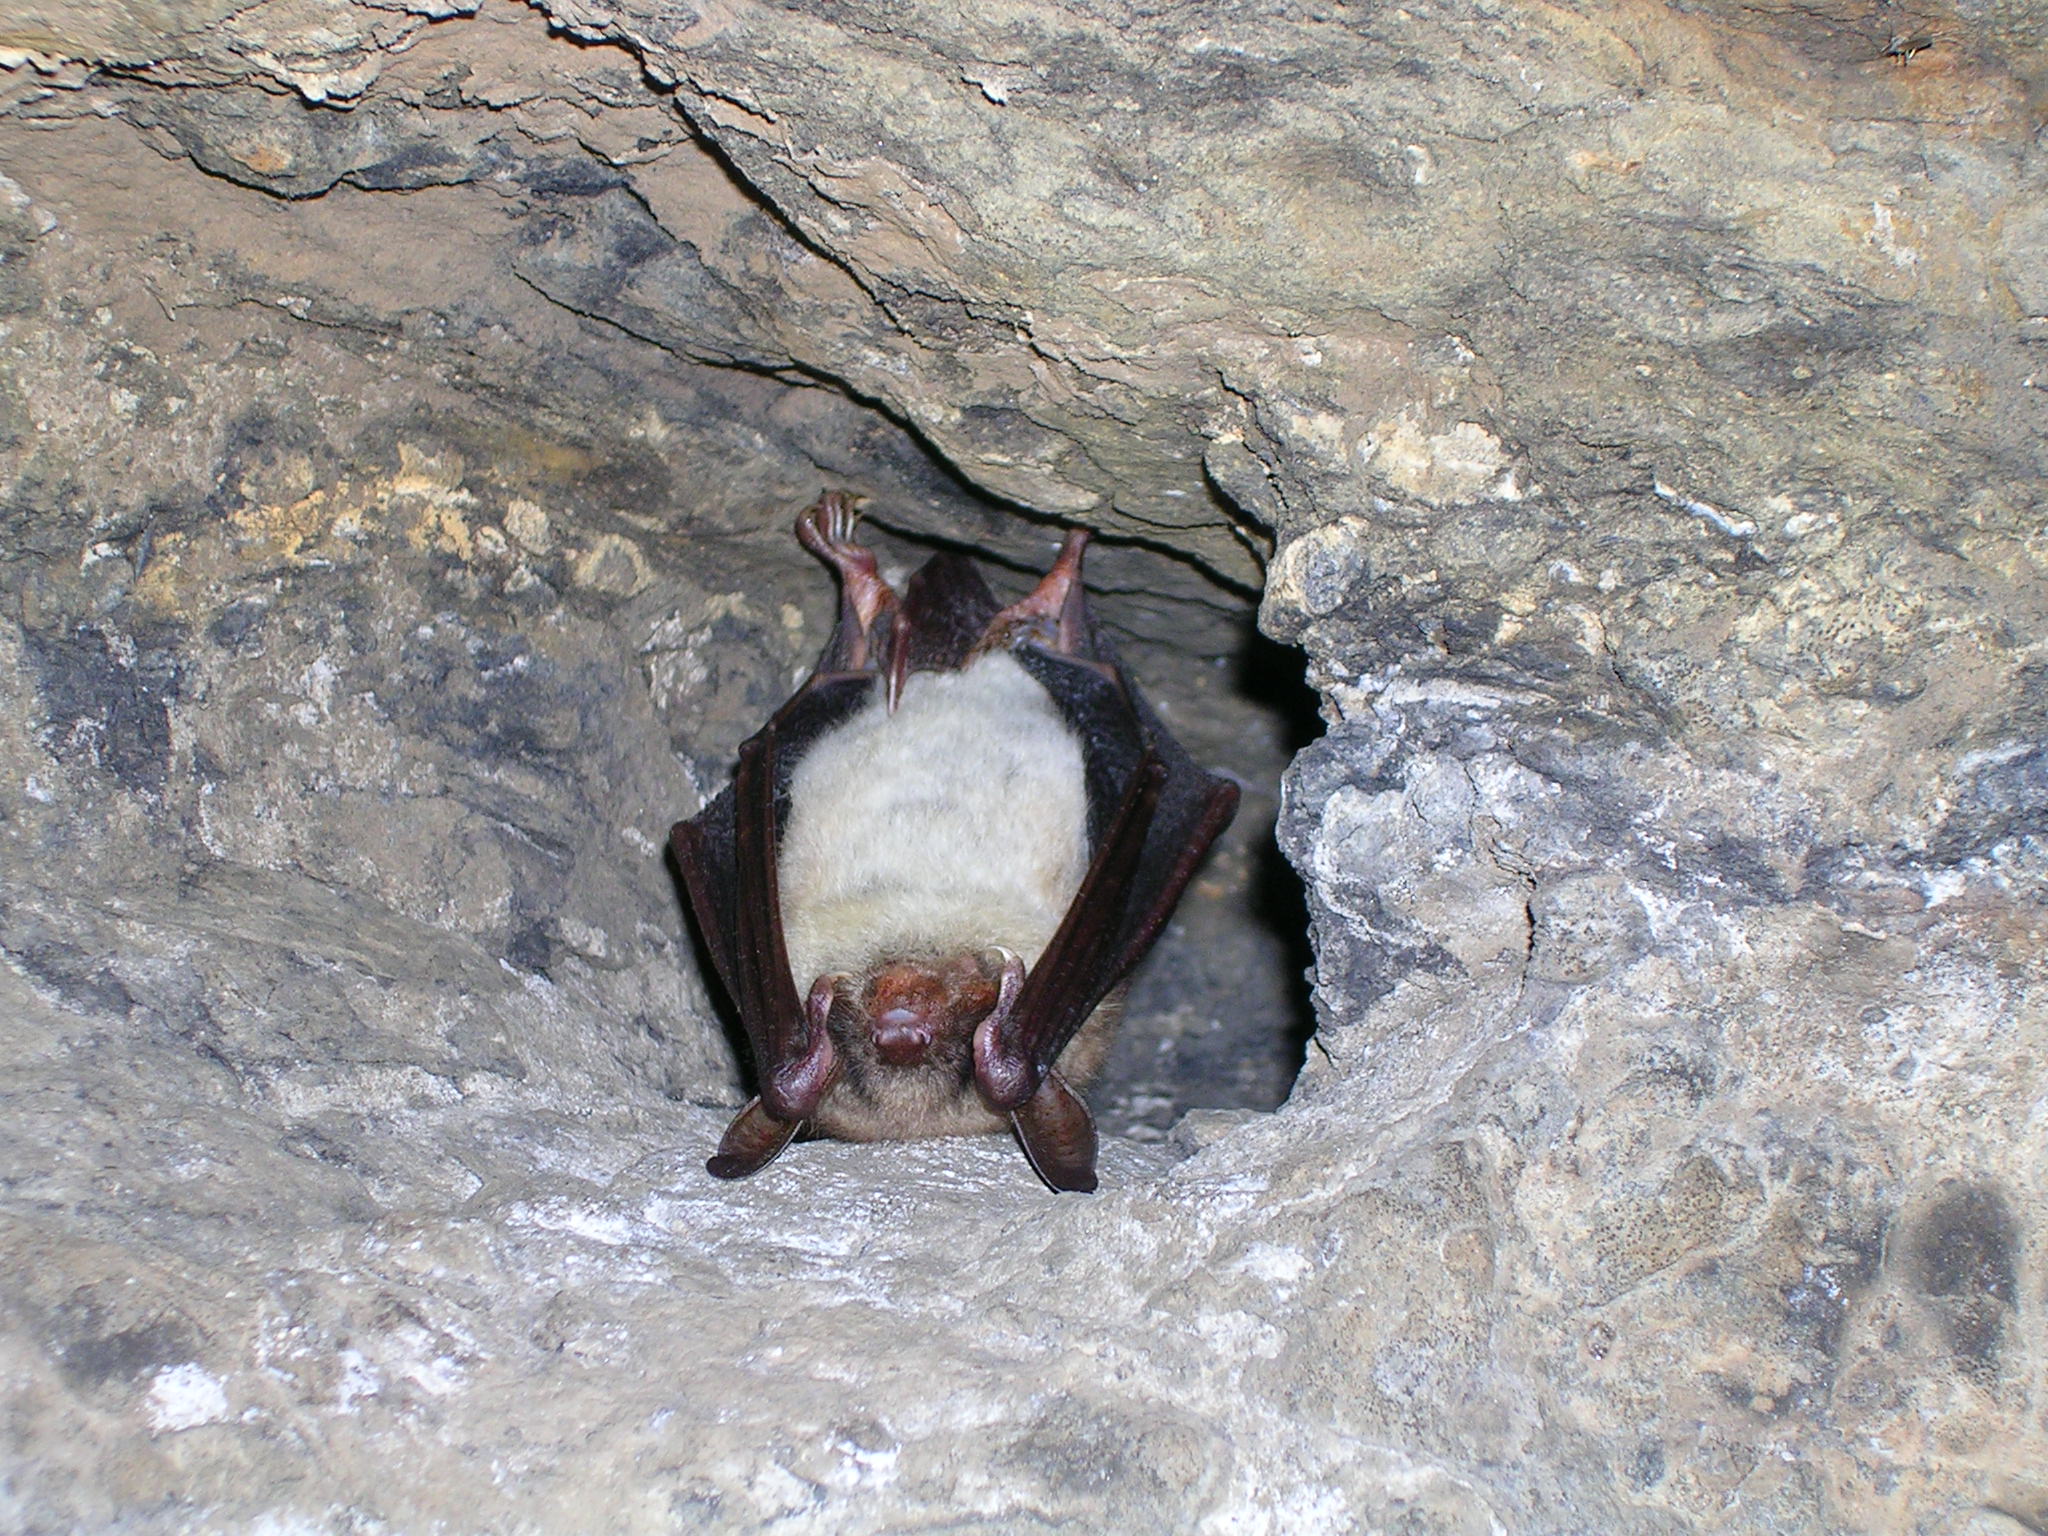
{"x": 1634, "y": 415}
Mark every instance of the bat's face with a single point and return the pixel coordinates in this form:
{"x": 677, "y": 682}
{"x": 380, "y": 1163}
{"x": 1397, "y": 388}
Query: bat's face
{"x": 912, "y": 1010}
{"x": 903, "y": 1036}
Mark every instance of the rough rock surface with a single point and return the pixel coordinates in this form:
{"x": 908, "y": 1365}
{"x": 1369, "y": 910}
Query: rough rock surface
{"x": 1634, "y": 412}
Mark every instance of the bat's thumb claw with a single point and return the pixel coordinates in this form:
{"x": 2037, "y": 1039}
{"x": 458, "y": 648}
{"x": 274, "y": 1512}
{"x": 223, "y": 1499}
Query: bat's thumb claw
{"x": 794, "y": 1090}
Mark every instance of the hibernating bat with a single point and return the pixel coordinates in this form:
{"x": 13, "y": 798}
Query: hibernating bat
{"x": 939, "y": 861}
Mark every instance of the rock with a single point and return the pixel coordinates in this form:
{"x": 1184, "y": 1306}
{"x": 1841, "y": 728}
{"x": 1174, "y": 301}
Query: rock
{"x": 1632, "y": 414}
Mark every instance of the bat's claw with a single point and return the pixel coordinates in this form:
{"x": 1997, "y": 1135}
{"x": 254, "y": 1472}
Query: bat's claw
{"x": 826, "y": 528}
{"x": 868, "y": 604}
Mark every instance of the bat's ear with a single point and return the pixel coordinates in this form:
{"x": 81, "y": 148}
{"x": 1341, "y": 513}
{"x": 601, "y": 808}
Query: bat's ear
{"x": 1058, "y": 1135}
{"x": 1003, "y": 1075}
{"x": 793, "y": 1090}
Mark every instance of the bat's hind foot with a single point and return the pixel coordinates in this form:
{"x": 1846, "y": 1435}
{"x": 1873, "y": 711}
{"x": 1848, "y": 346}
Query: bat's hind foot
{"x": 867, "y": 602}
{"x": 1055, "y": 615}
{"x": 826, "y": 529}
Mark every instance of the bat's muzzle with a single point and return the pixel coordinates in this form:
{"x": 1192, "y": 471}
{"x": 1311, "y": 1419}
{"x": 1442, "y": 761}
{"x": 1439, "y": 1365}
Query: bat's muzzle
{"x": 902, "y": 1037}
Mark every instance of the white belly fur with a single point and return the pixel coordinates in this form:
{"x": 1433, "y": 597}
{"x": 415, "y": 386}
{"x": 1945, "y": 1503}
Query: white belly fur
{"x": 956, "y": 823}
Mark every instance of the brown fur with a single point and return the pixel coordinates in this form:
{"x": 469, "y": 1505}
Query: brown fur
{"x": 875, "y": 1102}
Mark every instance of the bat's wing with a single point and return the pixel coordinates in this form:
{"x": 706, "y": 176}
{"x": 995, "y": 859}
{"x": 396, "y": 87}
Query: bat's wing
{"x": 1153, "y": 814}
{"x": 728, "y": 854}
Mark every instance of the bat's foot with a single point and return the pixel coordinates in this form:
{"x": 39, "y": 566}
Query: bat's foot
{"x": 1055, "y": 615}
{"x": 826, "y": 528}
{"x": 867, "y": 603}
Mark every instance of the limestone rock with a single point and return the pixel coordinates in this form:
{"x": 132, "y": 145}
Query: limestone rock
{"x": 1634, "y": 414}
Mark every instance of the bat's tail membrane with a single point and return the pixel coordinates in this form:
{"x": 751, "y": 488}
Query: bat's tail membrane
{"x": 947, "y": 609}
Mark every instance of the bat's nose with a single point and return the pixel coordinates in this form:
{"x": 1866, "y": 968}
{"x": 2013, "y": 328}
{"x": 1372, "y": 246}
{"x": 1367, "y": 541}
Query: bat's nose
{"x": 902, "y": 1036}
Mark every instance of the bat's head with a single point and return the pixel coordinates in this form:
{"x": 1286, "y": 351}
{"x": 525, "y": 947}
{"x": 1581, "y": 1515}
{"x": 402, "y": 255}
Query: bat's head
{"x": 903, "y": 1037}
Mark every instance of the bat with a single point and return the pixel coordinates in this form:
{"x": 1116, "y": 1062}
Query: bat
{"x": 938, "y": 862}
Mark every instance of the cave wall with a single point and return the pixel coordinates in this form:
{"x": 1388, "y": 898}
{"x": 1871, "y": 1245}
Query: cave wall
{"x": 1633, "y": 412}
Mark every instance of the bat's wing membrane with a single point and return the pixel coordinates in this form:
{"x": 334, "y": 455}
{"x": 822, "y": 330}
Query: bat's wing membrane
{"x": 1153, "y": 814}
{"x": 728, "y": 855}
{"x": 947, "y": 609}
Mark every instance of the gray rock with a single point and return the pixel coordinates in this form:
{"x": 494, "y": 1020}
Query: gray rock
{"x": 1633, "y": 415}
